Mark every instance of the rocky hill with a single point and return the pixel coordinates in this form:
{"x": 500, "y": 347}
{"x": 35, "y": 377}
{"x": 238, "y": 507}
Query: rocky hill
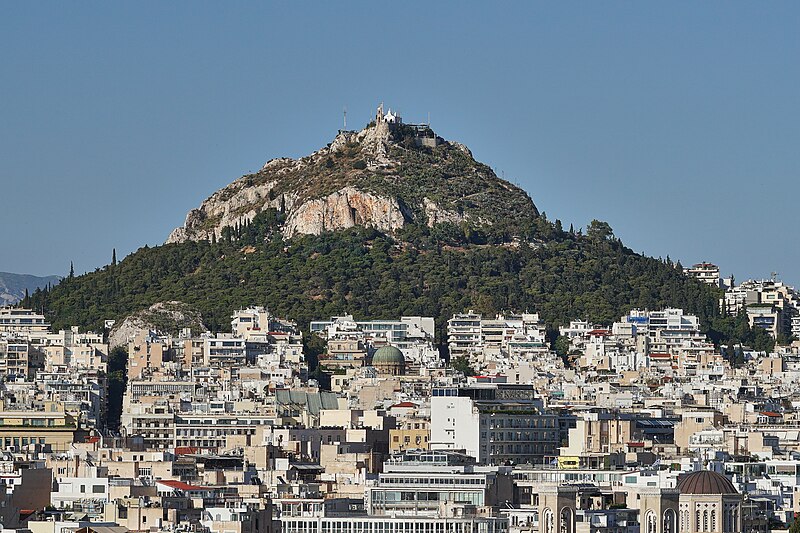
{"x": 387, "y": 221}
{"x": 386, "y": 176}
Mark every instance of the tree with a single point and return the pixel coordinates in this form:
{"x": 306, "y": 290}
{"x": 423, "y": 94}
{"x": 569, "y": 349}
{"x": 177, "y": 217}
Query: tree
{"x": 71, "y": 270}
{"x": 561, "y": 346}
{"x": 461, "y": 364}
{"x": 114, "y": 257}
{"x": 313, "y": 347}
{"x": 117, "y": 381}
{"x": 599, "y": 230}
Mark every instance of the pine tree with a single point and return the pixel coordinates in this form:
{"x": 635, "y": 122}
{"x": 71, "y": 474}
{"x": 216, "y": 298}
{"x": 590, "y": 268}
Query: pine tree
{"x": 114, "y": 257}
{"x": 71, "y": 270}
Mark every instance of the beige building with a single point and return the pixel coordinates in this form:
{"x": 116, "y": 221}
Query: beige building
{"x": 145, "y": 354}
{"x": 658, "y": 509}
{"x": 407, "y": 438}
{"x": 344, "y": 353}
{"x": 23, "y": 321}
{"x": 693, "y": 422}
{"x": 75, "y": 350}
{"x": 50, "y": 425}
{"x": 599, "y": 433}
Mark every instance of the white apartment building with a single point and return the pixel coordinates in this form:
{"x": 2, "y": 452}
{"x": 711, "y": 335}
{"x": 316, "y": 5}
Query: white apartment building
{"x": 421, "y": 482}
{"x": 665, "y": 329}
{"x": 494, "y": 340}
{"x": 494, "y": 424}
{"x": 708, "y": 273}
{"x": 26, "y": 322}
{"x": 93, "y": 486}
{"x": 225, "y": 351}
{"x": 776, "y": 305}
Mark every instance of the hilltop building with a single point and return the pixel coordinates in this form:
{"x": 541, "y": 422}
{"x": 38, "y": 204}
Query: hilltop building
{"x": 421, "y": 134}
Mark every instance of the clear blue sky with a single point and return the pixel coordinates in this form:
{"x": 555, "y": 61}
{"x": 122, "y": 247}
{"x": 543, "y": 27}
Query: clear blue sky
{"x": 678, "y": 123}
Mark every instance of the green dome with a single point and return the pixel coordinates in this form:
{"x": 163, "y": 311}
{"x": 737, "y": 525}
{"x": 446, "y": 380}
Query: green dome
{"x": 388, "y": 355}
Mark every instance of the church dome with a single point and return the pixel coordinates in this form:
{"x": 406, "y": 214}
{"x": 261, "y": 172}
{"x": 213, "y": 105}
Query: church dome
{"x": 388, "y": 355}
{"x": 388, "y": 360}
{"x": 705, "y": 482}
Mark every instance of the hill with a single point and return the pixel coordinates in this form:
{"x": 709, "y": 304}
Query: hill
{"x": 14, "y": 286}
{"x": 563, "y": 275}
{"x": 391, "y": 220}
{"x": 387, "y": 176}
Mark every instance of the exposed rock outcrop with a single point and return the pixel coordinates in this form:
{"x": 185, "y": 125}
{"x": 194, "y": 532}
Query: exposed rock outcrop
{"x": 435, "y": 214}
{"x": 237, "y": 203}
{"x": 164, "y": 317}
{"x": 343, "y": 209}
{"x": 384, "y": 176}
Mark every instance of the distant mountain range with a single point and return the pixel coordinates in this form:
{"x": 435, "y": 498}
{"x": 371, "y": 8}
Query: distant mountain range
{"x": 13, "y": 286}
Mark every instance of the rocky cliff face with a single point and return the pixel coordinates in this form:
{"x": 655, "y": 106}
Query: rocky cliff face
{"x": 235, "y": 204}
{"x": 346, "y": 208}
{"x": 163, "y": 317}
{"x": 385, "y": 176}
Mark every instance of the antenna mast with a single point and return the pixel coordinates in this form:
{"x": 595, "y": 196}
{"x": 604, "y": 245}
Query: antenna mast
{"x": 345, "y": 117}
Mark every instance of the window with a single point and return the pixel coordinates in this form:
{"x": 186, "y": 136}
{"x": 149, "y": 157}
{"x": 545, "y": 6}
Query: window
{"x": 98, "y": 489}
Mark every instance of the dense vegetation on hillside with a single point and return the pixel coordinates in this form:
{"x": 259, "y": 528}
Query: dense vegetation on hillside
{"x": 436, "y": 272}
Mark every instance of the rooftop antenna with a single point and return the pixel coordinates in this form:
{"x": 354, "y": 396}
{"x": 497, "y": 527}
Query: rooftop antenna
{"x": 345, "y": 117}
{"x": 429, "y": 119}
